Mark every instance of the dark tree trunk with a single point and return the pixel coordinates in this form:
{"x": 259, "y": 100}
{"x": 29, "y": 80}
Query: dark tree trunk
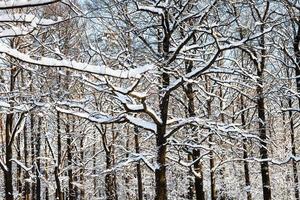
{"x": 58, "y": 192}
{"x": 263, "y": 136}
{"x": 33, "y": 141}
{"x": 294, "y": 163}
{"x": 160, "y": 171}
{"x": 297, "y": 72}
{"x": 46, "y": 170}
{"x": 69, "y": 155}
{"x": 200, "y": 195}
{"x": 213, "y": 194}
{"x": 138, "y": 165}
{"x": 82, "y": 180}
{"x": 245, "y": 154}
{"x": 110, "y": 179}
{"x": 110, "y": 187}
{"x": 8, "y": 176}
{"x": 38, "y": 161}
{"x": 19, "y": 169}
{"x": 262, "y": 120}
{"x": 26, "y": 193}
{"x": 212, "y": 174}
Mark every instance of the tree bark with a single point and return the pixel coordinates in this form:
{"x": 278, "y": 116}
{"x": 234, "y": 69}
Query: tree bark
{"x": 58, "y": 192}
{"x": 138, "y": 165}
{"x": 200, "y": 195}
{"x": 8, "y": 176}
{"x": 294, "y": 163}
{"x": 262, "y": 120}
{"x": 297, "y": 72}
{"x": 245, "y": 154}
{"x": 38, "y": 161}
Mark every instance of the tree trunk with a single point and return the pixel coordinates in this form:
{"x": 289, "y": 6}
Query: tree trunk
{"x": 294, "y": 163}
{"x": 19, "y": 169}
{"x": 38, "y": 161}
{"x": 26, "y": 193}
{"x": 200, "y": 195}
{"x": 69, "y": 155}
{"x": 138, "y": 165}
{"x": 262, "y": 120}
{"x": 58, "y": 193}
{"x": 213, "y": 194}
{"x": 245, "y": 154}
{"x": 82, "y": 180}
{"x": 8, "y": 176}
{"x": 297, "y": 72}
{"x": 160, "y": 171}
{"x": 263, "y": 142}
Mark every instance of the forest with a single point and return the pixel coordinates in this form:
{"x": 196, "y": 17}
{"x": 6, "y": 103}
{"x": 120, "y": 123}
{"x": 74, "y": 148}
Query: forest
{"x": 149, "y": 99}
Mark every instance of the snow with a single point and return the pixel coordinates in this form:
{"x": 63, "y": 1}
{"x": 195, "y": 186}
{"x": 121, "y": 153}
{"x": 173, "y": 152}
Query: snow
{"x": 14, "y": 31}
{"x": 100, "y": 118}
{"x": 24, "y": 3}
{"x": 151, "y": 9}
{"x": 71, "y": 64}
{"x": 28, "y": 18}
{"x": 4, "y": 104}
{"x": 21, "y": 165}
{"x": 142, "y": 123}
{"x": 88, "y": 116}
{"x": 3, "y": 166}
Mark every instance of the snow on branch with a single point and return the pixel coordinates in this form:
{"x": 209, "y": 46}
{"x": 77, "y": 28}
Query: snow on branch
{"x": 151, "y": 9}
{"x": 15, "y": 31}
{"x": 24, "y": 3}
{"x": 106, "y": 119}
{"x": 28, "y": 18}
{"x": 71, "y": 64}
{"x": 3, "y": 166}
{"x": 21, "y": 165}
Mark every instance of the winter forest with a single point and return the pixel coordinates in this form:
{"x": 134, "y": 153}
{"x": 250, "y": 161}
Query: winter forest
{"x": 149, "y": 99}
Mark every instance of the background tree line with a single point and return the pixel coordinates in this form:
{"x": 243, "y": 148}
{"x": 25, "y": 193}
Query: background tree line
{"x": 142, "y": 99}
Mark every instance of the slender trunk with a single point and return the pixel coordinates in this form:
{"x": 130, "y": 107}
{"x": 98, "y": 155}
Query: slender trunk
{"x": 160, "y": 171}
{"x": 38, "y": 161}
{"x": 192, "y": 183}
{"x": 58, "y": 192}
{"x": 222, "y": 190}
{"x": 138, "y": 165}
{"x": 213, "y": 194}
{"x": 69, "y": 155}
{"x": 109, "y": 179}
{"x": 26, "y": 193}
{"x": 212, "y": 174}
{"x": 94, "y": 170}
{"x": 127, "y": 179}
{"x": 32, "y": 121}
{"x": 245, "y": 154}
{"x": 82, "y": 180}
{"x": 110, "y": 182}
{"x": 200, "y": 195}
{"x": 46, "y": 170}
{"x": 262, "y": 120}
{"x": 263, "y": 141}
{"x": 8, "y": 176}
{"x": 294, "y": 163}
{"x": 297, "y": 72}
{"x": 19, "y": 169}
